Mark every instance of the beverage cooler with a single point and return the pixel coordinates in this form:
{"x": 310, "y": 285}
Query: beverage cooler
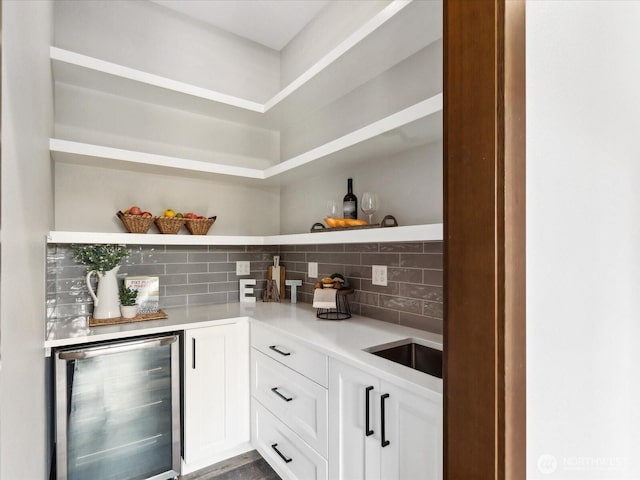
{"x": 118, "y": 410}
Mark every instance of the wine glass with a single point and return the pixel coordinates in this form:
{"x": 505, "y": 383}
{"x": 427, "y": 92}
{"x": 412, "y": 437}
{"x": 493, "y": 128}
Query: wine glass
{"x": 369, "y": 204}
{"x": 332, "y": 209}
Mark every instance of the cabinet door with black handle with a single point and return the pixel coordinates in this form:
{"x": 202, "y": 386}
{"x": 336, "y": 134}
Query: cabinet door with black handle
{"x": 354, "y": 423}
{"x": 405, "y": 443}
{"x": 412, "y": 443}
{"x": 216, "y": 391}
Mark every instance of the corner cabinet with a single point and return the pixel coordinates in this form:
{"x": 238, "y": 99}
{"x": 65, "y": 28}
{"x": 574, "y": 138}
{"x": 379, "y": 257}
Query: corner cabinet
{"x": 381, "y": 431}
{"x": 216, "y": 394}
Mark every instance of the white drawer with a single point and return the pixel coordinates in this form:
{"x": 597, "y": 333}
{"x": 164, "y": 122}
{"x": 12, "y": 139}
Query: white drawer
{"x": 296, "y": 460}
{"x": 297, "y": 401}
{"x": 293, "y": 354}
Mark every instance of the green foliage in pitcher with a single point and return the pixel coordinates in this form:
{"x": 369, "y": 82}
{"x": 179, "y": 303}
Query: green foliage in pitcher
{"x": 100, "y": 257}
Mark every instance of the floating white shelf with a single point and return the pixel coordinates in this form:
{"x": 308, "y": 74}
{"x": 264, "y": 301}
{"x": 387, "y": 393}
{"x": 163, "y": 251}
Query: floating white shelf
{"x": 412, "y": 233}
{"x": 413, "y": 126}
{"x": 399, "y": 30}
{"x": 97, "y": 155}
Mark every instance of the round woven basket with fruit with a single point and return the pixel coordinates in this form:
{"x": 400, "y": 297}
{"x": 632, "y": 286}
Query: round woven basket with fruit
{"x": 135, "y": 220}
{"x": 169, "y": 223}
{"x": 197, "y": 224}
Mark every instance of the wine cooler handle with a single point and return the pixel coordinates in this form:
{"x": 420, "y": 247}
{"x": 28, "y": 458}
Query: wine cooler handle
{"x": 286, "y": 399}
{"x": 383, "y": 438}
{"x": 91, "y": 352}
{"x": 275, "y": 349}
{"x": 286, "y": 460}
{"x": 193, "y": 353}
{"x": 368, "y": 431}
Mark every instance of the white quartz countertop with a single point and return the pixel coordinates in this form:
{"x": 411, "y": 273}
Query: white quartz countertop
{"x": 345, "y": 340}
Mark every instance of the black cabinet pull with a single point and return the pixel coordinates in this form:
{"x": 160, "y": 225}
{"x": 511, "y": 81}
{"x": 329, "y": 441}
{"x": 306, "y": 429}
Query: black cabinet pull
{"x": 193, "y": 353}
{"x": 383, "y": 439}
{"x": 275, "y": 349}
{"x": 286, "y": 460}
{"x": 286, "y": 399}
{"x": 367, "y": 428}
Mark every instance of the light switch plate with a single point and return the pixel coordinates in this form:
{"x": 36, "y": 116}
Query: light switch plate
{"x": 379, "y": 275}
{"x": 313, "y": 270}
{"x": 243, "y": 268}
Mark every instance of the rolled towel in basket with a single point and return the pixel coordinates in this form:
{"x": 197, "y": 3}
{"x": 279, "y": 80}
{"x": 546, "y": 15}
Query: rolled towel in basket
{"x": 324, "y": 298}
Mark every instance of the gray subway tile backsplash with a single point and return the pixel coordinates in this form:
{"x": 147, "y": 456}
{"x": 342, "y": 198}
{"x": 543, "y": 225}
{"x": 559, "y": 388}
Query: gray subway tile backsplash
{"x": 414, "y": 278}
{"x": 200, "y": 275}
{"x": 401, "y": 247}
{"x": 206, "y": 277}
{"x": 362, "y": 247}
{"x": 163, "y": 257}
{"x": 188, "y": 289}
{"x": 421, "y": 260}
{"x": 401, "y": 304}
{"x": 432, "y": 277}
{"x": 389, "y": 259}
{"x": 211, "y": 279}
{"x": 207, "y": 257}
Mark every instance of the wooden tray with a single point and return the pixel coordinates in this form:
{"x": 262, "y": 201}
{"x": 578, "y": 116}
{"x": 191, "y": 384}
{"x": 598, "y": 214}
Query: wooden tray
{"x": 141, "y": 317}
{"x": 387, "y": 221}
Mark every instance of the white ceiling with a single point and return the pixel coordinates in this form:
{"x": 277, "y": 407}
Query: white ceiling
{"x": 272, "y": 23}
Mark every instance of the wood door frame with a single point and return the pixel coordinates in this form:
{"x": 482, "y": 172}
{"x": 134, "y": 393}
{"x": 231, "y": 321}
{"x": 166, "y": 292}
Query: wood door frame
{"x": 484, "y": 231}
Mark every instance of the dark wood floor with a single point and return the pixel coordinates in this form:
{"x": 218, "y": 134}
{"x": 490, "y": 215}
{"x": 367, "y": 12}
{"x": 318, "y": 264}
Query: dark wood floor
{"x": 248, "y": 466}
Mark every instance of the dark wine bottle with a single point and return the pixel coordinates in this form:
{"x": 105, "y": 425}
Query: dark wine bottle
{"x": 350, "y": 202}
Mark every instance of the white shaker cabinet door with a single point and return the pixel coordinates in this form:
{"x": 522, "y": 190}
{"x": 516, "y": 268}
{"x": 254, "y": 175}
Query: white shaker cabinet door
{"x": 354, "y": 446}
{"x": 379, "y": 431}
{"x": 216, "y": 391}
{"x": 413, "y": 430}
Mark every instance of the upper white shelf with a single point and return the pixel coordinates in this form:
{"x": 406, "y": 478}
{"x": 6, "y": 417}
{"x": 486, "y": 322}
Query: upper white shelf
{"x": 412, "y": 233}
{"x": 415, "y": 125}
{"x": 399, "y": 30}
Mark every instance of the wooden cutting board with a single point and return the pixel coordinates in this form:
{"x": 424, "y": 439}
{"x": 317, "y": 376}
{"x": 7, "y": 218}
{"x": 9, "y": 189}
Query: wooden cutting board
{"x": 279, "y": 280}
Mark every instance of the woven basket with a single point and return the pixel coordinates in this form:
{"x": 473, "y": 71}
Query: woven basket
{"x": 199, "y": 226}
{"x": 135, "y": 223}
{"x": 169, "y": 225}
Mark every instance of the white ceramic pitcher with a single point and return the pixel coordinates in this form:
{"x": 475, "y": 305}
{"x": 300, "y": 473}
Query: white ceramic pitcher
{"x": 106, "y": 303}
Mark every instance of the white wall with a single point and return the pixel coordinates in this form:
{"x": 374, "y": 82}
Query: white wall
{"x": 87, "y": 199}
{"x": 85, "y": 115}
{"x": 27, "y": 215}
{"x": 409, "y": 186}
{"x": 583, "y": 239}
{"x": 149, "y": 37}
{"x": 312, "y": 43}
{"x": 411, "y": 80}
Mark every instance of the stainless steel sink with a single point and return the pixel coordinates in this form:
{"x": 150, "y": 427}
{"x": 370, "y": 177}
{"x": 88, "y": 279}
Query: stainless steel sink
{"x": 413, "y": 355}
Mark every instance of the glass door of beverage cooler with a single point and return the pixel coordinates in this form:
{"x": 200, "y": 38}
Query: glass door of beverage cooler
{"x": 118, "y": 410}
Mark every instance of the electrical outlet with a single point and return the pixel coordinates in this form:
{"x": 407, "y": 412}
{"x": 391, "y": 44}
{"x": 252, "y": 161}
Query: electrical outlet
{"x": 379, "y": 275}
{"x": 243, "y": 268}
{"x": 313, "y": 270}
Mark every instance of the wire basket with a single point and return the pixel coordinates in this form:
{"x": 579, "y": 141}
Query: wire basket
{"x": 135, "y": 223}
{"x": 199, "y": 226}
{"x": 169, "y": 225}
